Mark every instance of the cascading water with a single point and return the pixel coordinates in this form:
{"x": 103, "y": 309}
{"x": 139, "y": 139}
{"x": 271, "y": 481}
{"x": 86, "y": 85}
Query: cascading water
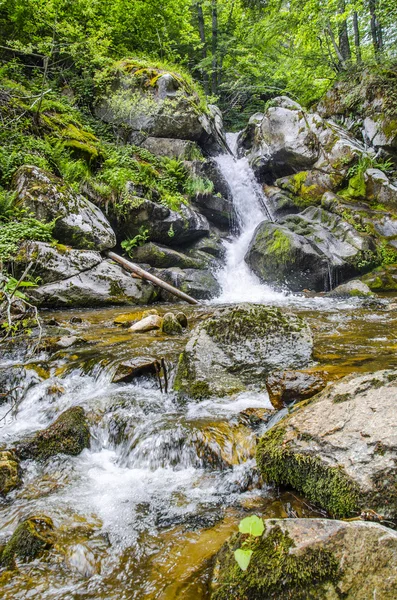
{"x": 237, "y": 281}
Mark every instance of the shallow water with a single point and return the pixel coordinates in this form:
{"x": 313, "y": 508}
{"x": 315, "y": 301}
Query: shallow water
{"x": 142, "y": 512}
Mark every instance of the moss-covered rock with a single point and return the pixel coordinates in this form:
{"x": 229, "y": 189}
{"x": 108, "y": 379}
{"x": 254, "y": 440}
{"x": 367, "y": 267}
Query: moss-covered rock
{"x": 339, "y": 450}
{"x": 382, "y": 279}
{"x": 171, "y": 325}
{"x": 79, "y": 223}
{"x": 163, "y": 257}
{"x": 32, "y": 537}
{"x": 351, "y": 289}
{"x": 69, "y": 434}
{"x": 237, "y": 347}
{"x": 10, "y": 472}
{"x": 310, "y": 559}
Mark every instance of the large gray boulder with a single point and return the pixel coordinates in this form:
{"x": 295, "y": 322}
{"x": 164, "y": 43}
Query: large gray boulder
{"x": 286, "y": 140}
{"x": 216, "y": 209}
{"x": 144, "y": 100}
{"x": 54, "y": 262}
{"x": 79, "y": 223}
{"x": 340, "y": 449}
{"x": 311, "y": 559}
{"x": 162, "y": 225}
{"x": 173, "y": 148}
{"x": 159, "y": 256}
{"x": 104, "y": 284}
{"x": 198, "y": 283}
{"x": 308, "y": 251}
{"x": 237, "y": 347}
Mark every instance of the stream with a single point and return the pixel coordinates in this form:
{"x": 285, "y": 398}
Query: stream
{"x": 142, "y": 512}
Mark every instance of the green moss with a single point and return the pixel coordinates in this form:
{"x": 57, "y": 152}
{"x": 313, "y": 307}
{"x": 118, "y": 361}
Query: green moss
{"x": 328, "y": 487}
{"x": 69, "y": 434}
{"x": 28, "y": 541}
{"x": 275, "y": 571}
{"x": 357, "y": 187}
{"x": 390, "y": 128}
{"x": 280, "y": 246}
{"x": 303, "y": 195}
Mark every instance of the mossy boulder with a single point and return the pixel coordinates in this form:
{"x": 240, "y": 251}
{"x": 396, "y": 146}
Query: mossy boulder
{"x": 30, "y": 539}
{"x": 10, "y": 472}
{"x": 79, "y": 223}
{"x": 54, "y": 262}
{"x": 339, "y": 450}
{"x": 159, "y": 256}
{"x": 310, "y": 559}
{"x": 351, "y": 289}
{"x": 309, "y": 251}
{"x": 142, "y": 97}
{"x": 69, "y": 434}
{"x": 382, "y": 279}
{"x": 198, "y": 283}
{"x": 237, "y": 347}
{"x": 105, "y": 284}
{"x": 171, "y": 325}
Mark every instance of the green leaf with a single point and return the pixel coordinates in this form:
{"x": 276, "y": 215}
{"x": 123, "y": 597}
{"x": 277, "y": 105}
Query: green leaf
{"x": 243, "y": 558}
{"x": 252, "y": 525}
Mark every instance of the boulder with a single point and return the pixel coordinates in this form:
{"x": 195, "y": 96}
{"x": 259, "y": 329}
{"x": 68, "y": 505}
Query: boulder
{"x": 309, "y": 251}
{"x": 380, "y": 131}
{"x": 54, "y": 262}
{"x": 237, "y": 347}
{"x": 173, "y": 148}
{"x": 79, "y": 223}
{"x": 147, "y": 324}
{"x": 281, "y": 203}
{"x": 382, "y": 279}
{"x": 130, "y": 369}
{"x": 355, "y": 288}
{"x": 159, "y": 256}
{"x": 287, "y": 140}
{"x": 285, "y": 387}
{"x": 209, "y": 169}
{"x": 182, "y": 319}
{"x": 10, "y": 473}
{"x": 105, "y": 284}
{"x": 379, "y": 189}
{"x": 311, "y": 558}
{"x": 218, "y": 210}
{"x": 339, "y": 450}
{"x": 200, "y": 284}
{"x": 171, "y": 325}
{"x": 162, "y": 225}
{"x": 69, "y": 434}
{"x": 145, "y": 100}
{"x": 30, "y": 539}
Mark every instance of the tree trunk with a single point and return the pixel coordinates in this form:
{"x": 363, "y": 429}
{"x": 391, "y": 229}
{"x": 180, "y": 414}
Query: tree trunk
{"x": 344, "y": 44}
{"x": 356, "y": 30}
{"x": 376, "y": 30}
{"x": 335, "y": 46}
{"x": 214, "y": 78}
{"x": 201, "y": 26}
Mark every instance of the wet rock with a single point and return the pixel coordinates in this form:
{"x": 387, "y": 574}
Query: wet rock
{"x": 280, "y": 201}
{"x": 287, "y": 140}
{"x": 197, "y": 283}
{"x": 171, "y": 325}
{"x": 339, "y": 450}
{"x": 70, "y": 340}
{"x": 254, "y": 417}
{"x": 223, "y": 445}
{"x": 355, "y": 288}
{"x": 130, "y": 369}
{"x": 105, "y": 284}
{"x": 165, "y": 107}
{"x": 53, "y": 263}
{"x": 182, "y": 319}
{"x": 161, "y": 256}
{"x": 218, "y": 210}
{"x": 81, "y": 558}
{"x": 211, "y": 245}
{"x": 30, "y": 539}
{"x": 10, "y": 473}
{"x": 79, "y": 223}
{"x": 311, "y": 558}
{"x": 383, "y": 279}
{"x": 379, "y": 189}
{"x": 163, "y": 225}
{"x": 209, "y": 169}
{"x": 147, "y": 324}
{"x": 171, "y": 147}
{"x": 285, "y": 387}
{"x": 69, "y": 434}
{"x": 308, "y": 251}
{"x": 237, "y": 347}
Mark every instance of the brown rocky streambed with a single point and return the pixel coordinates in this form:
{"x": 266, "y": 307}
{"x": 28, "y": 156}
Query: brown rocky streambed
{"x": 142, "y": 512}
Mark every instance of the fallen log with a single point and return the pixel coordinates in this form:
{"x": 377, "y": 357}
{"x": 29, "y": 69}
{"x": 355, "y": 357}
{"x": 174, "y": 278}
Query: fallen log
{"x": 133, "y": 268}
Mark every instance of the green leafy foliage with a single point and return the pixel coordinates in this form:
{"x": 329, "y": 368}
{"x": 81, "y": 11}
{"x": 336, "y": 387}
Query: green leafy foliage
{"x": 13, "y": 232}
{"x": 243, "y": 558}
{"x": 253, "y": 527}
{"x": 138, "y": 240}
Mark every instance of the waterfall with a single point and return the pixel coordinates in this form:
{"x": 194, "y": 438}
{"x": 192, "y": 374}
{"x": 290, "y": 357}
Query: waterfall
{"x": 251, "y": 205}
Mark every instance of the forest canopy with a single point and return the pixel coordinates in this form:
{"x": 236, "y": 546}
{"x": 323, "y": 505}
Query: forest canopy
{"x": 242, "y": 52}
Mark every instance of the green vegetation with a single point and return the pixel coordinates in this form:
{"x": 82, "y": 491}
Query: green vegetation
{"x": 252, "y": 527}
{"x": 138, "y": 240}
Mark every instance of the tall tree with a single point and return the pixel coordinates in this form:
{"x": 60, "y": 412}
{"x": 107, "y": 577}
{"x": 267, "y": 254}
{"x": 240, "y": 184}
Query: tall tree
{"x": 214, "y": 74}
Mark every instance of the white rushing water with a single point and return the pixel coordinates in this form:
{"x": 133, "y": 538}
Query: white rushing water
{"x": 237, "y": 281}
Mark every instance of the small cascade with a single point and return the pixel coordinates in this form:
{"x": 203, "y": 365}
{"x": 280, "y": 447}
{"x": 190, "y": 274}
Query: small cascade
{"x": 251, "y": 205}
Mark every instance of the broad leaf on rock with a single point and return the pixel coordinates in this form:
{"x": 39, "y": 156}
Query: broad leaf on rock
{"x": 243, "y": 558}
{"x": 252, "y": 525}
